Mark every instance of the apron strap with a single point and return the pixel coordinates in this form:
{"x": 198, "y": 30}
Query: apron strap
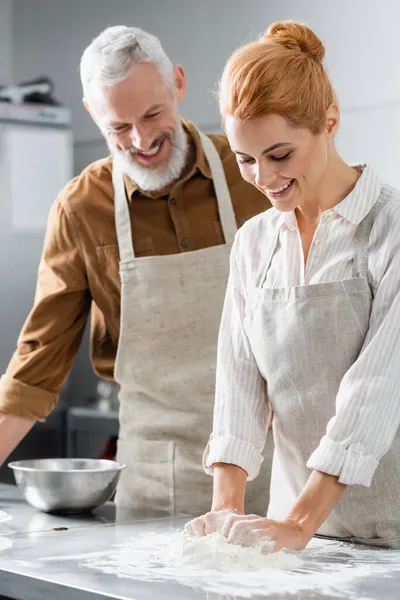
{"x": 226, "y": 212}
{"x": 360, "y": 262}
{"x": 122, "y": 216}
{"x": 262, "y": 272}
{"x": 362, "y": 235}
{"x": 121, "y": 206}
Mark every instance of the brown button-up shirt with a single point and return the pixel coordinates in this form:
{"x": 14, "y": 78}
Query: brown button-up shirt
{"x": 79, "y": 268}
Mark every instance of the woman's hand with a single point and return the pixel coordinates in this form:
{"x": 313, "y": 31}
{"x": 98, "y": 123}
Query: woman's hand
{"x": 228, "y": 498}
{"x": 251, "y": 530}
{"x": 314, "y": 504}
{"x": 209, "y": 523}
{"x": 312, "y": 507}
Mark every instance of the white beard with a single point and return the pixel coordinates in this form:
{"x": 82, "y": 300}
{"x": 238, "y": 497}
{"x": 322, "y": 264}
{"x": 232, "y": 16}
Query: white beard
{"x": 149, "y": 179}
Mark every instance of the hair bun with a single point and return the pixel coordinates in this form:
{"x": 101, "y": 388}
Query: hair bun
{"x": 295, "y": 36}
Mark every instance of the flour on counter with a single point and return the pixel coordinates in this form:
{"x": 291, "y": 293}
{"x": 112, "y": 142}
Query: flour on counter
{"x": 333, "y": 569}
{"x": 4, "y": 517}
{"x": 213, "y": 552}
{"x": 5, "y": 543}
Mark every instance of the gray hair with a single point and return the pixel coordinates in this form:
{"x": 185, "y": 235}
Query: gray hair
{"x": 110, "y": 56}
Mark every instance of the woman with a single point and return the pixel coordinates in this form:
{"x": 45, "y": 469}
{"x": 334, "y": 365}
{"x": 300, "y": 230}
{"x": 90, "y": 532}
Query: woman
{"x": 308, "y": 331}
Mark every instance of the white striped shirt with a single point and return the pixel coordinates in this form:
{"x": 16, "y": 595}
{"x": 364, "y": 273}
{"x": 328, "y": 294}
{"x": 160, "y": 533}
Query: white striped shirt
{"x": 241, "y": 410}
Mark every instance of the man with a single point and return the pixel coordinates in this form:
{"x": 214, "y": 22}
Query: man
{"x": 142, "y": 238}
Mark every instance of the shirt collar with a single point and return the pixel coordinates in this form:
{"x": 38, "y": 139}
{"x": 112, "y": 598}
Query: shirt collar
{"x": 355, "y": 207}
{"x": 287, "y": 220}
{"x": 200, "y": 164}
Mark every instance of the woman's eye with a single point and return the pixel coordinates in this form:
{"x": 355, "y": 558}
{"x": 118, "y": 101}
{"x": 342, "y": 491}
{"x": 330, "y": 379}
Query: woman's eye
{"x": 279, "y": 158}
{"x": 249, "y": 160}
{"x": 243, "y": 161}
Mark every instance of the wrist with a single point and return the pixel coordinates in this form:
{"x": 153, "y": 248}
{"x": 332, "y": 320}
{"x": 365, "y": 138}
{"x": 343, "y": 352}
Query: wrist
{"x": 227, "y": 506}
{"x": 12, "y": 430}
{"x": 318, "y": 498}
{"x": 306, "y": 530}
{"x": 229, "y": 488}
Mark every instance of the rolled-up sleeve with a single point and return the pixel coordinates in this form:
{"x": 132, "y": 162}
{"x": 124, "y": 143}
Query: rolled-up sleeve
{"x": 368, "y": 401}
{"x": 241, "y": 412}
{"x": 50, "y": 338}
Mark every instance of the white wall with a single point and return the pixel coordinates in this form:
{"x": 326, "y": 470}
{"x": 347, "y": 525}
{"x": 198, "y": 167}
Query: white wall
{"x": 363, "y": 52}
{"x": 362, "y": 40}
{"x": 363, "y": 58}
{"x": 51, "y": 35}
{"x": 6, "y": 41}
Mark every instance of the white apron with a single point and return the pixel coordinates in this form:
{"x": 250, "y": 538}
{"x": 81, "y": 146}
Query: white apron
{"x": 304, "y": 339}
{"x": 170, "y": 313}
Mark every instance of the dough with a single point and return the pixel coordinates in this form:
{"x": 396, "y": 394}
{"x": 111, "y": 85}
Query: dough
{"x": 213, "y": 552}
{"x": 5, "y": 543}
{"x": 4, "y": 517}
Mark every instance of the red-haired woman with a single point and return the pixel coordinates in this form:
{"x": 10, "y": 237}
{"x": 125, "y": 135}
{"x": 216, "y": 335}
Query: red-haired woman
{"x": 309, "y": 328}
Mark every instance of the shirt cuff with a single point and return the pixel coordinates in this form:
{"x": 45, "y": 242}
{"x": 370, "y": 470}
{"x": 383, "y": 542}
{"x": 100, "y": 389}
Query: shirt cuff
{"x": 233, "y": 451}
{"x": 351, "y": 464}
{"x": 26, "y": 401}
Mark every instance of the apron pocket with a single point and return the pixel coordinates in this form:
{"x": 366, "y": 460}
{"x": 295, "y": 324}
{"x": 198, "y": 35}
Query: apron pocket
{"x": 147, "y": 484}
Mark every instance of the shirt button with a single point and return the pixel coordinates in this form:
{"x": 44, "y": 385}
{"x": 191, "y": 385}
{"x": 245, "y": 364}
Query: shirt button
{"x": 317, "y": 242}
{"x": 173, "y": 201}
{"x": 184, "y": 243}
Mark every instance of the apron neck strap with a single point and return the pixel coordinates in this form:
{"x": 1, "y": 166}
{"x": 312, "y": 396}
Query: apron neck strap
{"x": 361, "y": 242}
{"x": 226, "y": 212}
{"x": 121, "y": 206}
{"x": 122, "y": 216}
{"x": 362, "y": 235}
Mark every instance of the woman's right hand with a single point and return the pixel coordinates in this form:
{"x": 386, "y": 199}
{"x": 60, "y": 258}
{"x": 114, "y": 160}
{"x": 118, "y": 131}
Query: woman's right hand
{"x": 228, "y": 499}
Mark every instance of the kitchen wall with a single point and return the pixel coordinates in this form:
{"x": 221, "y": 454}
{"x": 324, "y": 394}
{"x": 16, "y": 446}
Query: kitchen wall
{"x": 51, "y": 35}
{"x": 361, "y": 36}
{"x": 19, "y": 273}
{"x": 363, "y": 57}
{"x": 6, "y": 41}
{"x": 363, "y": 51}
{"x": 19, "y": 256}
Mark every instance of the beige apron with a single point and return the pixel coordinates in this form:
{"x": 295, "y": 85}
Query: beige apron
{"x": 305, "y": 338}
{"x": 170, "y": 313}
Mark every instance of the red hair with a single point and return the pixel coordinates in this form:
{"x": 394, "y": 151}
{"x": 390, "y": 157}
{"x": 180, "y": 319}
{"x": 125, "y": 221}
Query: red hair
{"x": 281, "y": 73}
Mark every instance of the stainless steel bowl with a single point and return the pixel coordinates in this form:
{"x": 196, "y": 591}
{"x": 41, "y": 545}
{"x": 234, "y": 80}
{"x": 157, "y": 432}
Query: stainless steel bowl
{"x": 66, "y": 485}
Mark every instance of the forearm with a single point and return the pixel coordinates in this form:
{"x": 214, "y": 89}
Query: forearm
{"x": 12, "y": 431}
{"x": 320, "y": 495}
{"x": 229, "y": 487}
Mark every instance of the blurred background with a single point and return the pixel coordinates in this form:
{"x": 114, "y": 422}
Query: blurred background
{"x": 43, "y": 122}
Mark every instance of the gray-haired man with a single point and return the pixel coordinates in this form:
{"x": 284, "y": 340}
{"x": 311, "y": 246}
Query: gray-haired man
{"x": 142, "y": 238}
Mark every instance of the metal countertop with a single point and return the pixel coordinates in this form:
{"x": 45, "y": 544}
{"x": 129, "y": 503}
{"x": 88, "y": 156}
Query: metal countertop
{"x": 105, "y": 556}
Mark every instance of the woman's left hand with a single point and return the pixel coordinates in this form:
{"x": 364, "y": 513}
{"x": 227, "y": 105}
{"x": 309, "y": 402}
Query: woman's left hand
{"x": 249, "y": 530}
